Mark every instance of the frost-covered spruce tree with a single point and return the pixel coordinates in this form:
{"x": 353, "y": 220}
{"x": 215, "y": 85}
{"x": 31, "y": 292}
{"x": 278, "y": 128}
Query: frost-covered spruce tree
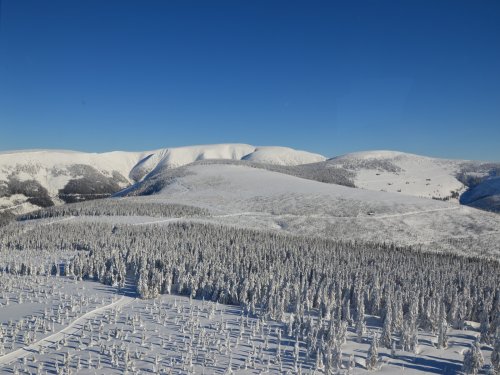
{"x": 386, "y": 337}
{"x": 406, "y": 336}
{"x": 495, "y": 356}
{"x": 414, "y": 342}
{"x": 484, "y": 327}
{"x": 142, "y": 286}
{"x": 442, "y": 340}
{"x": 360, "y": 326}
{"x": 360, "y": 329}
{"x": 337, "y": 355}
{"x": 351, "y": 364}
{"x": 397, "y": 312}
{"x": 371, "y": 360}
{"x": 473, "y": 359}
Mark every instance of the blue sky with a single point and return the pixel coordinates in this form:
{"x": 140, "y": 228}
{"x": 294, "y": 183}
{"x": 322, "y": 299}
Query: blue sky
{"x": 325, "y": 76}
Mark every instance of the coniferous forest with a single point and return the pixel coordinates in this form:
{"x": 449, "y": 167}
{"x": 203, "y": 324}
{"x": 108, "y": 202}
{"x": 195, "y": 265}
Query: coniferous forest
{"x": 317, "y": 288}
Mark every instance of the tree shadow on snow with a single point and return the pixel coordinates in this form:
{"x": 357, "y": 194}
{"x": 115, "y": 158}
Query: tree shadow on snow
{"x": 427, "y": 364}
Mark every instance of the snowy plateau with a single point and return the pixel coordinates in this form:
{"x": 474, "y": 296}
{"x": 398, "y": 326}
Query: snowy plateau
{"x": 238, "y": 259}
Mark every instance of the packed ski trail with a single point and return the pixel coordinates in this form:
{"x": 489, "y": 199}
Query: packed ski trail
{"x": 250, "y": 213}
{"x": 415, "y": 212}
{"x": 71, "y": 329}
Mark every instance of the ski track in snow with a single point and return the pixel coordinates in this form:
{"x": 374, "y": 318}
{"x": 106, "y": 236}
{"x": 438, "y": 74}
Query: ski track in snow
{"x": 58, "y": 221}
{"x": 31, "y": 227}
{"x": 250, "y": 213}
{"x": 70, "y": 329}
{"x": 416, "y": 212}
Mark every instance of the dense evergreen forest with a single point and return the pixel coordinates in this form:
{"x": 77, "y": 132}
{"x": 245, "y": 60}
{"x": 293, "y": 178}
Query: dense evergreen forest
{"x": 316, "y": 286}
{"x": 116, "y": 207}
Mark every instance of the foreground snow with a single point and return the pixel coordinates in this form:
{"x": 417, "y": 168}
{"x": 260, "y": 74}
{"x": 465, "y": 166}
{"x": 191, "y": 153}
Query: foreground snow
{"x": 178, "y": 335}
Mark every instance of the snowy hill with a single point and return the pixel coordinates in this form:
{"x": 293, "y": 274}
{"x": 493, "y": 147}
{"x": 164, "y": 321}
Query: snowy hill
{"x": 41, "y": 178}
{"x": 415, "y": 175}
{"x": 177, "y": 157}
{"x": 255, "y": 197}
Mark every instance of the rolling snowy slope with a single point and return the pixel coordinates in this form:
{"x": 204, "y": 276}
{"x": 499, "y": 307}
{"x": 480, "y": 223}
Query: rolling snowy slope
{"x": 415, "y": 175}
{"x": 42, "y": 178}
{"x": 252, "y": 197}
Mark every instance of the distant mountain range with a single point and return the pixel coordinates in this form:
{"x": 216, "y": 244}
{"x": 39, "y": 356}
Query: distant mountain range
{"x": 41, "y": 178}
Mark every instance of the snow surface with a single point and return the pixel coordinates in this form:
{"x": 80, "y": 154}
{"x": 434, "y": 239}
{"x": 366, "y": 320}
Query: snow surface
{"x": 282, "y": 156}
{"x": 178, "y": 334}
{"x": 179, "y": 156}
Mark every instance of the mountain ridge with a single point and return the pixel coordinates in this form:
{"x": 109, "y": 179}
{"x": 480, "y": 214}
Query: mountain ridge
{"x": 41, "y": 178}
{"x": 30, "y": 179}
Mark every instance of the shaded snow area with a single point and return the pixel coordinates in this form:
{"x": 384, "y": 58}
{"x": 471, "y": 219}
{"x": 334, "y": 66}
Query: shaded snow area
{"x": 115, "y": 334}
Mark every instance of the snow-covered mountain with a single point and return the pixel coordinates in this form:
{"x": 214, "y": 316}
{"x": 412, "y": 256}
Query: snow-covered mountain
{"x": 41, "y": 178}
{"x": 179, "y": 156}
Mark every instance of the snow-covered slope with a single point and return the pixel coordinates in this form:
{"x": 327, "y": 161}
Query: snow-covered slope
{"x": 252, "y": 197}
{"x": 282, "y": 156}
{"x": 411, "y": 174}
{"x": 404, "y": 173}
{"x": 30, "y": 179}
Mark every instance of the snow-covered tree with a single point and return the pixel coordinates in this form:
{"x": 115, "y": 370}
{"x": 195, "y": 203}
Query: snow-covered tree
{"x": 372, "y": 356}
{"x": 473, "y": 359}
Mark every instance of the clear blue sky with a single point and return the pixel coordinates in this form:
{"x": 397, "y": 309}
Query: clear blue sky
{"x": 325, "y": 76}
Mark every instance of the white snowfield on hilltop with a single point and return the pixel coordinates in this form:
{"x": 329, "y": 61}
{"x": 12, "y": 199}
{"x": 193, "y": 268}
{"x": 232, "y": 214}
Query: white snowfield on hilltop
{"x": 179, "y": 156}
{"x": 404, "y": 173}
